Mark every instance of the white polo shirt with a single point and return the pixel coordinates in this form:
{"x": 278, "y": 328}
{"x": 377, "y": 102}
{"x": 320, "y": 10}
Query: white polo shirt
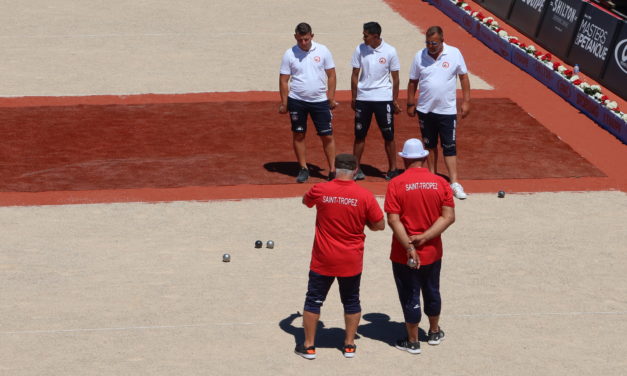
{"x": 307, "y": 68}
{"x": 437, "y": 80}
{"x": 375, "y": 83}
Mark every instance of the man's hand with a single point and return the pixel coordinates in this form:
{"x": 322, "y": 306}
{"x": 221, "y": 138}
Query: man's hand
{"x": 333, "y": 104}
{"x": 465, "y": 108}
{"x": 282, "y": 108}
{"x": 397, "y": 108}
{"x": 411, "y": 254}
{"x": 411, "y": 109}
{"x": 418, "y": 240}
{"x": 353, "y": 104}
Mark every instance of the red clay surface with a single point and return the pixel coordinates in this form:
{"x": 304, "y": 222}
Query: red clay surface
{"x": 231, "y": 143}
{"x": 179, "y": 147}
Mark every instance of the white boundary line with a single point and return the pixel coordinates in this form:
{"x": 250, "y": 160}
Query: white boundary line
{"x": 129, "y": 328}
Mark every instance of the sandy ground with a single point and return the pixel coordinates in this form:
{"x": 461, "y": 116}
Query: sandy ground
{"x": 532, "y": 284}
{"x": 87, "y": 47}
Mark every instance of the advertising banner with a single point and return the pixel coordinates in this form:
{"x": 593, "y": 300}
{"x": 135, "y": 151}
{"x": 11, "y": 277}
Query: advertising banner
{"x": 593, "y": 39}
{"x": 527, "y": 14}
{"x": 615, "y": 76}
{"x": 558, "y": 26}
{"x": 500, "y": 8}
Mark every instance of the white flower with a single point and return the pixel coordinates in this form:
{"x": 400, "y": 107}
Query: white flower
{"x": 573, "y": 78}
{"x": 585, "y": 85}
{"x": 625, "y": 117}
{"x": 612, "y": 105}
{"x": 485, "y": 20}
{"x": 503, "y": 34}
{"x": 494, "y": 24}
{"x": 597, "y": 96}
{"x": 561, "y": 69}
{"x": 531, "y": 48}
{"x": 474, "y": 14}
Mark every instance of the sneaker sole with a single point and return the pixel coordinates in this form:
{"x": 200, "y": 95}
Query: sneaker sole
{"x": 306, "y": 356}
{"x": 415, "y": 352}
{"x": 349, "y": 355}
{"x": 435, "y": 343}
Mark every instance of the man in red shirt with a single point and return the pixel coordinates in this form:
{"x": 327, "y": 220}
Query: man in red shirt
{"x": 343, "y": 210}
{"x": 419, "y": 207}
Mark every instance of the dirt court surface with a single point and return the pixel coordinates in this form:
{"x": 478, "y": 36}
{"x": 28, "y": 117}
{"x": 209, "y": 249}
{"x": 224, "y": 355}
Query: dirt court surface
{"x": 78, "y": 148}
{"x": 142, "y": 289}
{"x": 532, "y": 283}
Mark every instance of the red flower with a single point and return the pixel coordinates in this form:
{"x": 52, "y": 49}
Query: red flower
{"x": 480, "y": 16}
{"x": 497, "y": 29}
{"x": 522, "y": 45}
{"x": 568, "y": 73}
{"x": 537, "y": 53}
{"x": 556, "y": 65}
{"x": 577, "y": 82}
{"x": 604, "y": 98}
{"x": 617, "y": 109}
{"x": 489, "y": 22}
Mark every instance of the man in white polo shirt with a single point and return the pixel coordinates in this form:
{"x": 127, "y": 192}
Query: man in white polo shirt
{"x": 375, "y": 91}
{"x": 435, "y": 70}
{"x": 311, "y": 69}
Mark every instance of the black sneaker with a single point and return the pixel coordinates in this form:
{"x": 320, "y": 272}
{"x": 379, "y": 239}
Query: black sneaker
{"x": 303, "y": 175}
{"x": 331, "y": 176}
{"x": 436, "y": 338}
{"x": 359, "y": 175}
{"x": 410, "y": 347}
{"x": 349, "y": 351}
{"x": 392, "y": 174}
{"x": 307, "y": 353}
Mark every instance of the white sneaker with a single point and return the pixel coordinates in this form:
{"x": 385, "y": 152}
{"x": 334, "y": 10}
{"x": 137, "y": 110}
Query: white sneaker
{"x": 458, "y": 191}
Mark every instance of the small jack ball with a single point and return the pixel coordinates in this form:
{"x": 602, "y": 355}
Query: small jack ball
{"x": 258, "y": 244}
{"x": 226, "y": 257}
{"x": 501, "y": 194}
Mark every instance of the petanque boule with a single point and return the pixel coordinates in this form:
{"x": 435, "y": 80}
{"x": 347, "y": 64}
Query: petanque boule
{"x": 501, "y": 194}
{"x": 411, "y": 263}
{"x": 258, "y": 244}
{"x": 270, "y": 244}
{"x": 226, "y": 257}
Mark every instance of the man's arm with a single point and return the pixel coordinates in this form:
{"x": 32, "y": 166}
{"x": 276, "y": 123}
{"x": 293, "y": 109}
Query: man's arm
{"x": 412, "y": 86}
{"x": 354, "y": 82}
{"x": 284, "y": 89}
{"x": 394, "y": 221}
{"x": 437, "y": 228}
{"x": 395, "y": 85}
{"x": 379, "y": 226}
{"x": 465, "y": 83}
{"x": 331, "y": 83}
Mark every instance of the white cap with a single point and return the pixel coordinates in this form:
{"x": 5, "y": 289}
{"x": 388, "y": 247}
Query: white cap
{"x": 413, "y": 149}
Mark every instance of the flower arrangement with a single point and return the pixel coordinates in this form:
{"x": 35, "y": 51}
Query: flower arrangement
{"x": 593, "y": 91}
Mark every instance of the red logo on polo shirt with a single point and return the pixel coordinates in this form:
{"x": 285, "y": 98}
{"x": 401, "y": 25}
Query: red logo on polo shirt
{"x": 382, "y": 60}
{"x": 317, "y": 59}
{"x": 445, "y": 65}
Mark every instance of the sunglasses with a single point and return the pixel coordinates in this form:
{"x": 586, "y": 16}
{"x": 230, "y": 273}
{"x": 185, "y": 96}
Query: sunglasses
{"x": 432, "y": 43}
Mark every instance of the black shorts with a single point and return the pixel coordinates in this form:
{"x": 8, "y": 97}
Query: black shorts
{"x": 434, "y": 125}
{"x": 383, "y": 113}
{"x": 320, "y": 113}
{"x": 409, "y": 284}
{"x": 318, "y": 288}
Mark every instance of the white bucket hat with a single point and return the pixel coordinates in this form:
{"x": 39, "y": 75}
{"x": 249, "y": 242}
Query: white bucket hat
{"x": 413, "y": 149}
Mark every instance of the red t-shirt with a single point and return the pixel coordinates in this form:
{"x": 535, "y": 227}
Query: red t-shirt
{"x": 417, "y": 196}
{"x": 343, "y": 207}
